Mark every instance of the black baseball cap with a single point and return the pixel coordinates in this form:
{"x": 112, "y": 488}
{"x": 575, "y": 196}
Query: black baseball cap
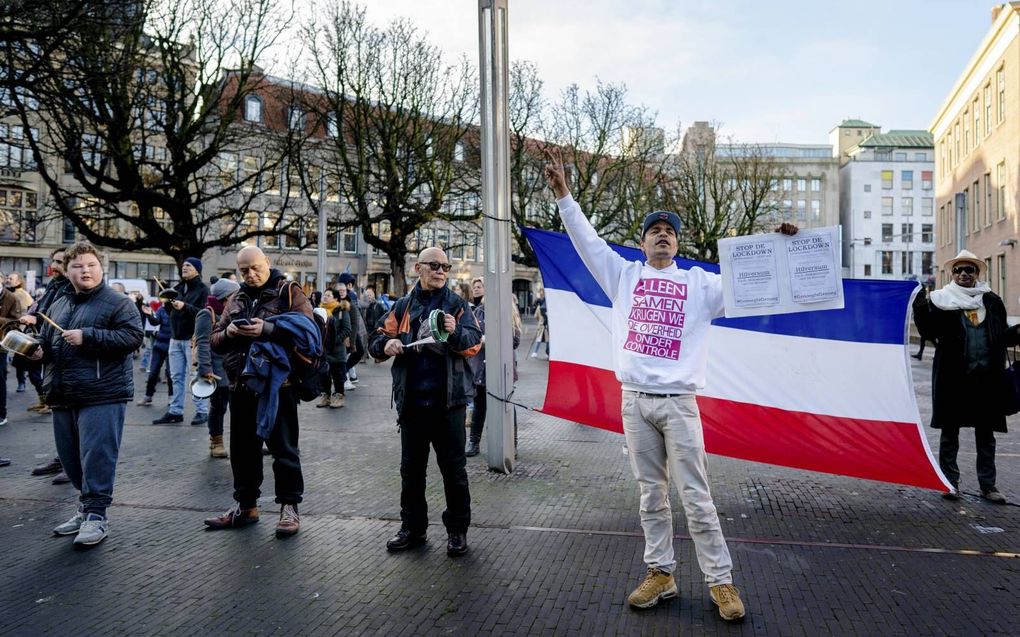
{"x": 671, "y": 218}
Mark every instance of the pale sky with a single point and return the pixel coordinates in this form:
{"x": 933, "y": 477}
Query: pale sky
{"x": 786, "y": 70}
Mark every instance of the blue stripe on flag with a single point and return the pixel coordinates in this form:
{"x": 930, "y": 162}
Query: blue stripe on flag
{"x": 874, "y": 312}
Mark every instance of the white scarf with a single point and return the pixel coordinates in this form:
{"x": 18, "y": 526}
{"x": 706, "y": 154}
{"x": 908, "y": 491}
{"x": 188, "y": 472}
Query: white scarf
{"x": 955, "y": 297}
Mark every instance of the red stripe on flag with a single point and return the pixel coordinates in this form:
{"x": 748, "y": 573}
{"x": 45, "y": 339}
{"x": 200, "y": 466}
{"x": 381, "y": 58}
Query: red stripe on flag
{"x": 870, "y": 449}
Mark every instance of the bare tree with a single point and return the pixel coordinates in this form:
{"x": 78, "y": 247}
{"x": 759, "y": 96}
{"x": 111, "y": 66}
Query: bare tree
{"x": 138, "y": 128}
{"x": 530, "y": 204}
{"x": 615, "y": 155}
{"x": 399, "y": 152}
{"x": 720, "y": 191}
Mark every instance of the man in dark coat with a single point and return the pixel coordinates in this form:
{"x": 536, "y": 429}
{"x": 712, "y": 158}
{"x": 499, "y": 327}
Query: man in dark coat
{"x": 57, "y": 287}
{"x": 967, "y": 323}
{"x": 88, "y": 380}
{"x": 432, "y": 385}
{"x": 190, "y": 300}
{"x": 264, "y": 294}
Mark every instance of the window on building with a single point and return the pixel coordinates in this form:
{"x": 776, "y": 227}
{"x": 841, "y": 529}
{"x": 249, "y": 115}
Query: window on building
{"x": 973, "y": 226}
{"x": 927, "y": 262}
{"x": 867, "y": 269}
{"x": 901, "y": 157}
{"x": 975, "y": 109}
{"x": 988, "y": 108}
{"x": 295, "y": 118}
{"x": 349, "y": 240}
{"x": 787, "y": 184}
{"x": 956, "y": 141}
{"x": 887, "y": 257}
{"x": 816, "y": 209}
{"x": 907, "y": 232}
{"x": 458, "y": 151}
{"x": 887, "y": 234}
{"x": 942, "y": 157}
{"x": 470, "y": 240}
{"x": 1000, "y": 83}
{"x": 867, "y": 187}
{"x": 887, "y": 176}
{"x": 787, "y": 208}
{"x": 927, "y": 234}
{"x": 1000, "y": 261}
{"x": 816, "y": 184}
{"x": 252, "y": 109}
{"x": 1000, "y": 184}
{"x": 966, "y": 132}
{"x": 801, "y": 210}
{"x": 801, "y": 184}
{"x": 867, "y": 241}
{"x": 887, "y": 206}
{"x": 920, "y": 156}
{"x": 906, "y": 262}
{"x": 867, "y": 214}
{"x": 332, "y": 128}
{"x": 907, "y": 179}
{"x": 987, "y": 183}
{"x": 926, "y": 180}
{"x": 907, "y": 206}
{"x": 976, "y": 208}
{"x": 18, "y": 215}
{"x": 927, "y": 206}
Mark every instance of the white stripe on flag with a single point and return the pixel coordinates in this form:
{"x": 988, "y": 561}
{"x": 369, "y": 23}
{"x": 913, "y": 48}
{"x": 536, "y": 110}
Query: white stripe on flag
{"x": 836, "y": 378}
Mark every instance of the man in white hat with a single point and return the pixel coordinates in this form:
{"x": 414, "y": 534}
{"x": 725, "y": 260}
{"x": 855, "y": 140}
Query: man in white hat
{"x": 967, "y": 323}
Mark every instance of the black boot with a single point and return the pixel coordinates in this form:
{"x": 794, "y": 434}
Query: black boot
{"x": 472, "y": 448}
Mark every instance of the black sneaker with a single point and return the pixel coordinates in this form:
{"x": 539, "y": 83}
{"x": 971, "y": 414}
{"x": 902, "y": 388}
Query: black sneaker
{"x": 472, "y": 449}
{"x": 200, "y": 419}
{"x": 456, "y": 544}
{"x": 404, "y": 540}
{"x": 168, "y": 418}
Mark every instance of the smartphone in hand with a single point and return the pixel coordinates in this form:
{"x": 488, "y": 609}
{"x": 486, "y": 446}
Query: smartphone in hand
{"x": 241, "y": 322}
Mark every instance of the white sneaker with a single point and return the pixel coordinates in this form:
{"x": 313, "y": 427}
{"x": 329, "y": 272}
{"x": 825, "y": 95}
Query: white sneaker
{"x": 349, "y": 386}
{"x": 71, "y": 526}
{"x": 93, "y": 530}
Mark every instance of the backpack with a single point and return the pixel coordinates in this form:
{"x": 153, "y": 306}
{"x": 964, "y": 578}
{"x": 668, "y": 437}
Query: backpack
{"x": 306, "y": 373}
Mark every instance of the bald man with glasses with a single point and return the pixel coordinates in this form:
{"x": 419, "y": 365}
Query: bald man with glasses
{"x": 432, "y": 385}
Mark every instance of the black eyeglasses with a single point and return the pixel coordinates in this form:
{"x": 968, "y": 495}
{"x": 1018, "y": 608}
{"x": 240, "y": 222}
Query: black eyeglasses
{"x": 965, "y": 269}
{"x": 436, "y": 265}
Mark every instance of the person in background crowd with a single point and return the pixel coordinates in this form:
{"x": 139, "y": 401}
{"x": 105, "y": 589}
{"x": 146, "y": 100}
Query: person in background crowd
{"x": 356, "y": 348}
{"x": 463, "y": 290}
{"x": 373, "y": 310}
{"x": 338, "y": 334}
{"x": 967, "y": 323}
{"x": 150, "y": 325}
{"x": 359, "y": 333}
{"x": 432, "y": 385}
{"x": 16, "y": 286}
{"x": 10, "y": 312}
{"x": 542, "y": 336}
{"x": 58, "y": 285}
{"x": 230, "y": 276}
{"x": 160, "y": 352}
{"x": 315, "y": 298}
{"x": 88, "y": 382}
{"x": 191, "y": 297}
{"x": 210, "y": 363}
{"x": 249, "y": 318}
{"x": 478, "y": 365}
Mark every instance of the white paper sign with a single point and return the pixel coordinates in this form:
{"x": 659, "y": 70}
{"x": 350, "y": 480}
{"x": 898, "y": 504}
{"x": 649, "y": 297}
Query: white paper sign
{"x": 779, "y": 274}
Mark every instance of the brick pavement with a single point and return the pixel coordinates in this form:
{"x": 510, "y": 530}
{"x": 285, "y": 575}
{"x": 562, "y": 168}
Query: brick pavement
{"x": 555, "y": 548}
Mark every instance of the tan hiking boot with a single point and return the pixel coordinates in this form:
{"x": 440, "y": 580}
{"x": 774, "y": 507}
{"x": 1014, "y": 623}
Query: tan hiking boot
{"x": 323, "y": 400}
{"x": 657, "y": 585}
{"x": 36, "y": 407}
{"x": 727, "y": 598}
{"x": 337, "y": 401}
{"x": 216, "y": 449}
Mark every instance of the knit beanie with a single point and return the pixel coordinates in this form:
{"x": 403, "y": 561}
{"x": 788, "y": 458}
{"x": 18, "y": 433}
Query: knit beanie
{"x": 195, "y": 263}
{"x": 223, "y": 288}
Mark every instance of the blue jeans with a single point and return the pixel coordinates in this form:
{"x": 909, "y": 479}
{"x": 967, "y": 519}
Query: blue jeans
{"x": 180, "y": 373}
{"x": 88, "y": 442}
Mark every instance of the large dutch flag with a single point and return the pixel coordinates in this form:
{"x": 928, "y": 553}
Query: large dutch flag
{"x": 826, "y": 391}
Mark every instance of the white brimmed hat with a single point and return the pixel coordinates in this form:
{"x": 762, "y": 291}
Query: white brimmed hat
{"x": 965, "y": 256}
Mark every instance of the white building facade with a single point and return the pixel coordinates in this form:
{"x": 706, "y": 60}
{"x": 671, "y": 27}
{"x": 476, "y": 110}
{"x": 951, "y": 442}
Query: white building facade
{"x": 887, "y": 200}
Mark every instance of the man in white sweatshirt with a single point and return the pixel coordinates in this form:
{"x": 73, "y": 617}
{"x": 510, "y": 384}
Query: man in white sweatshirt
{"x": 660, "y": 322}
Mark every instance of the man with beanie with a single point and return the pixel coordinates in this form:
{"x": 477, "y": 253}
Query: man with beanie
{"x": 191, "y": 298}
{"x": 210, "y": 363}
{"x": 660, "y": 414}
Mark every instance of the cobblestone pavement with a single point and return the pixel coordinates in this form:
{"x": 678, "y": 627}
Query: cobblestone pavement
{"x": 555, "y": 547}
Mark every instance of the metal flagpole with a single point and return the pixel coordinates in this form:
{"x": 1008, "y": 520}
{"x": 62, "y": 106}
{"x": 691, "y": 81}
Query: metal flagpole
{"x": 494, "y": 65}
